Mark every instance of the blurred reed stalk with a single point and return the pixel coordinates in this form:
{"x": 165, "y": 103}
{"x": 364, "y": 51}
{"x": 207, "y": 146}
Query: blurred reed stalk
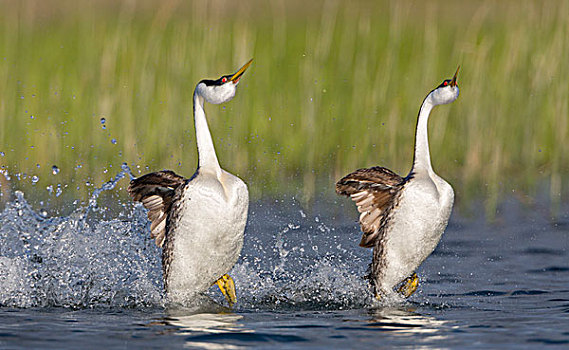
{"x": 334, "y": 86}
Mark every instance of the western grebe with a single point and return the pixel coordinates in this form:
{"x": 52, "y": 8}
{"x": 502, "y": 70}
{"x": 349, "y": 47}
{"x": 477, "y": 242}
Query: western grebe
{"x": 198, "y": 222}
{"x": 403, "y": 218}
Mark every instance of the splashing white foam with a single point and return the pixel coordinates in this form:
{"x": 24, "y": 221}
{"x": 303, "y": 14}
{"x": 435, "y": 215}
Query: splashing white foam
{"x": 290, "y": 260}
{"x": 282, "y": 269}
{"x": 76, "y": 261}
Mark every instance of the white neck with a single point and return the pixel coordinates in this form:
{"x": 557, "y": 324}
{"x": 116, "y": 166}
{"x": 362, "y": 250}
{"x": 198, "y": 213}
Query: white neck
{"x": 422, "y": 158}
{"x": 206, "y": 150}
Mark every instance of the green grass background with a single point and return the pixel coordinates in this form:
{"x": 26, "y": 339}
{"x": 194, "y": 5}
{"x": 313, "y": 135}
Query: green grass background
{"x": 335, "y": 85}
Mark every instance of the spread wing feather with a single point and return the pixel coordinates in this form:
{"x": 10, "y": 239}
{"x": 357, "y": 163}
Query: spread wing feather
{"x": 157, "y": 192}
{"x": 374, "y": 191}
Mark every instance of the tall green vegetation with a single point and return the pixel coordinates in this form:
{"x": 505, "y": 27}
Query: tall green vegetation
{"x": 334, "y": 86}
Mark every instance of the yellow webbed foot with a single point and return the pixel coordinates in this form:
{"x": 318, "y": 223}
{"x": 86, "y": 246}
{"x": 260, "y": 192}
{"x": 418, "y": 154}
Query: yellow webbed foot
{"x": 227, "y": 287}
{"x": 409, "y": 285}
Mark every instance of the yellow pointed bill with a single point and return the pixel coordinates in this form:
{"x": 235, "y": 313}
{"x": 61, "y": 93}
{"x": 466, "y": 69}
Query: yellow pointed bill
{"x": 239, "y": 73}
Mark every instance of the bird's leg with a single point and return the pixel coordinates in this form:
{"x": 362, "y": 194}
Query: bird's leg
{"x": 377, "y": 291}
{"x": 409, "y": 286}
{"x": 227, "y": 287}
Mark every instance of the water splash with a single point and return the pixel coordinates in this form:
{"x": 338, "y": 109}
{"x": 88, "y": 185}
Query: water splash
{"x": 290, "y": 260}
{"x": 109, "y": 185}
{"x": 77, "y": 261}
{"x": 284, "y": 271}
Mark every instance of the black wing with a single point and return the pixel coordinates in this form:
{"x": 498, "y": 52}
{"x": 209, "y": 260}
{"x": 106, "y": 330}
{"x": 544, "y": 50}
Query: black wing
{"x": 157, "y": 192}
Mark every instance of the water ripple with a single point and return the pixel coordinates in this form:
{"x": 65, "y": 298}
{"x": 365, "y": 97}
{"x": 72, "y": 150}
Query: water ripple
{"x": 246, "y": 337}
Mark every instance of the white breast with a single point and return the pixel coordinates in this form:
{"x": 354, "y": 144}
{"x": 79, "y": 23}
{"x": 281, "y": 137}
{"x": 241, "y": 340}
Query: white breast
{"x": 416, "y": 227}
{"x": 209, "y": 234}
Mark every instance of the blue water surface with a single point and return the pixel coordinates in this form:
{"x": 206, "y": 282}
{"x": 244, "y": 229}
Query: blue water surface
{"x": 92, "y": 279}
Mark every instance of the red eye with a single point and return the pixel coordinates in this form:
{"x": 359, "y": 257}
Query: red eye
{"x": 224, "y": 79}
{"x": 445, "y": 83}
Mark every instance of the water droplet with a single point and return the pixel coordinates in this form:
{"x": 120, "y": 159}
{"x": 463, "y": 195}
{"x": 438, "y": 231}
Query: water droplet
{"x": 54, "y": 170}
{"x": 59, "y": 191}
{"x": 6, "y": 175}
{"x": 35, "y": 179}
{"x": 114, "y": 141}
{"x": 103, "y": 121}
